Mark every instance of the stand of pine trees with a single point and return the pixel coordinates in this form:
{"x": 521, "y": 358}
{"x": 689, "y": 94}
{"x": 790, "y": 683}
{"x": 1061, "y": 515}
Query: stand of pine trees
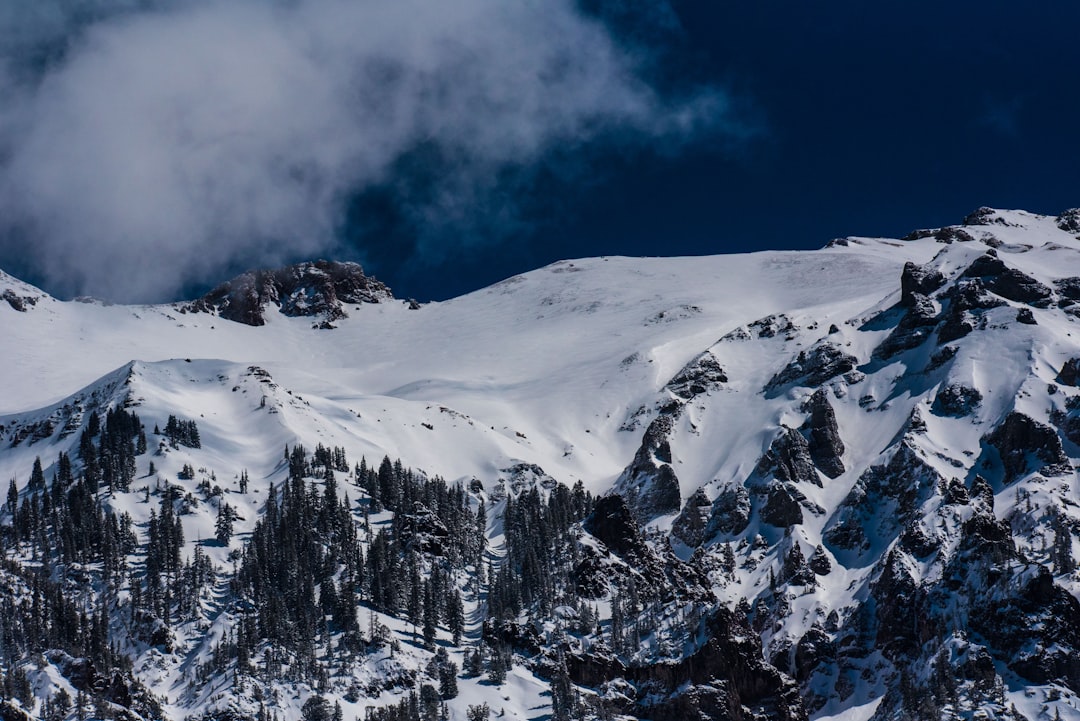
{"x": 313, "y": 562}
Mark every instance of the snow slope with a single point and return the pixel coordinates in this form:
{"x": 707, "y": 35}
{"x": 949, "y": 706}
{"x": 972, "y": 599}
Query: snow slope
{"x": 569, "y": 367}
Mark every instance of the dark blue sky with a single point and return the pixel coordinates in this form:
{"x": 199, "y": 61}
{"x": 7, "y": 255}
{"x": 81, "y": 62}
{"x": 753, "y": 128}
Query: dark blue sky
{"x": 868, "y": 119}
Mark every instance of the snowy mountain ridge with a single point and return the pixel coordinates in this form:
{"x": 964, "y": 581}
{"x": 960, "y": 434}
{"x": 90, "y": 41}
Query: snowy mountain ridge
{"x": 829, "y": 484}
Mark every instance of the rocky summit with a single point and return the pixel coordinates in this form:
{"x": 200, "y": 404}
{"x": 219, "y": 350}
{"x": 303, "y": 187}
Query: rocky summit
{"x": 825, "y": 485}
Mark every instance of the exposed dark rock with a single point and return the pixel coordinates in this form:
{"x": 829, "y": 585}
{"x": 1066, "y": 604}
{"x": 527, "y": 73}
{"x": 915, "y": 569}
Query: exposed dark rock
{"x": 966, "y": 297}
{"x": 1069, "y": 221}
{"x": 916, "y": 424}
{"x": 649, "y": 483}
{"x": 1068, "y": 424}
{"x": 914, "y": 327}
{"x": 987, "y": 537}
{"x": 956, "y": 400}
{"x": 781, "y": 509}
{"x": 983, "y": 216}
{"x": 1020, "y": 439}
{"x": 899, "y": 608}
{"x": 882, "y": 501}
{"x": 733, "y": 680}
{"x": 690, "y": 525}
{"x": 826, "y": 447}
{"x": 981, "y": 491}
{"x": 814, "y": 649}
{"x": 18, "y": 302}
{"x": 318, "y": 289}
{"x": 1070, "y": 372}
{"x": 730, "y": 512}
{"x": 955, "y": 493}
{"x": 812, "y": 367}
{"x": 699, "y": 376}
{"x": 941, "y": 357}
{"x": 1037, "y": 631}
{"x": 1068, "y": 287}
{"x": 918, "y": 279}
{"x": 612, "y": 523}
{"x": 979, "y": 667}
{"x": 788, "y": 459}
{"x": 523, "y": 476}
{"x": 1008, "y": 282}
{"x": 1025, "y": 316}
{"x": 916, "y": 541}
{"x": 920, "y": 234}
{"x": 971, "y": 294}
{"x": 819, "y": 561}
{"x": 773, "y": 325}
{"x": 952, "y": 234}
{"x": 654, "y": 571}
{"x": 954, "y": 327}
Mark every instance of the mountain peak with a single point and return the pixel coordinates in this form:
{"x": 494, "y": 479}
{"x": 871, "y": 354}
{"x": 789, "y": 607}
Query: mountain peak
{"x": 318, "y": 289}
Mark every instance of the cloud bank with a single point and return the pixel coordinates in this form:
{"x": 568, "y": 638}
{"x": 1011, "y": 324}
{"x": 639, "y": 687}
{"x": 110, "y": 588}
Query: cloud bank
{"x": 148, "y": 145}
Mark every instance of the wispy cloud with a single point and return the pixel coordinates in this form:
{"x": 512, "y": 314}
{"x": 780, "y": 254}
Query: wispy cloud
{"x": 146, "y": 145}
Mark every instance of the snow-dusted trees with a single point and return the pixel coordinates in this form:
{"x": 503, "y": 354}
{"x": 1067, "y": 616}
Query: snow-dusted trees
{"x": 182, "y": 433}
{"x": 223, "y": 526}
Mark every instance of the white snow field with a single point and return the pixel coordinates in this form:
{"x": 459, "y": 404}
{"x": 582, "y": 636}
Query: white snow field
{"x": 565, "y": 367}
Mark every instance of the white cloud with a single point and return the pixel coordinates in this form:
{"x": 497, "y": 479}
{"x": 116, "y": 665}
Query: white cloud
{"x": 171, "y": 141}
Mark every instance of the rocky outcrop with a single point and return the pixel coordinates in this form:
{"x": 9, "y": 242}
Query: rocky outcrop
{"x": 918, "y": 280}
{"x": 819, "y": 364}
{"x": 966, "y": 301}
{"x": 1020, "y": 440}
{"x": 882, "y": 501}
{"x": 956, "y": 400}
{"x": 912, "y": 330}
{"x": 725, "y": 679}
{"x": 730, "y": 512}
{"x": 320, "y": 289}
{"x": 1069, "y": 221}
{"x": 654, "y": 571}
{"x": 1008, "y": 282}
{"x": 649, "y": 483}
{"x": 1070, "y": 372}
{"x": 983, "y": 216}
{"x": 697, "y": 377}
{"x": 823, "y": 435}
{"x": 18, "y": 302}
{"x": 781, "y": 508}
{"x": 1068, "y": 288}
{"x": 788, "y": 459}
{"x": 691, "y": 524}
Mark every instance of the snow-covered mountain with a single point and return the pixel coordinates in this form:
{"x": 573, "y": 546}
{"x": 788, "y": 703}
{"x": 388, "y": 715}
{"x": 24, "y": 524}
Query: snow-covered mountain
{"x": 837, "y": 484}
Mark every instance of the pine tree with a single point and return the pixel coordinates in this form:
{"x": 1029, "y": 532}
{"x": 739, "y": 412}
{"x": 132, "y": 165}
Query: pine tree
{"x": 37, "y": 476}
{"x": 12, "y": 497}
{"x": 223, "y": 527}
